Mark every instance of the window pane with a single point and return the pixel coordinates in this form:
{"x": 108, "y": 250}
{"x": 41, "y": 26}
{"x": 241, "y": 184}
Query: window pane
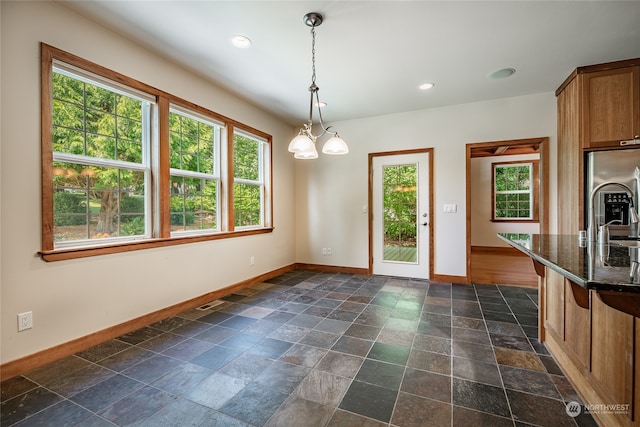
{"x": 100, "y": 99}
{"x": 96, "y": 122}
{"x": 95, "y": 202}
{"x": 70, "y": 203}
{"x": 192, "y": 144}
{"x": 206, "y": 156}
{"x": 246, "y": 158}
{"x": 129, "y": 151}
{"x": 513, "y": 191}
{"x": 400, "y": 216}
{"x": 66, "y": 88}
{"x": 68, "y": 140}
{"x": 100, "y": 123}
{"x": 189, "y": 153}
{"x": 247, "y": 203}
{"x": 129, "y": 130}
{"x": 68, "y": 115}
{"x": 193, "y": 204}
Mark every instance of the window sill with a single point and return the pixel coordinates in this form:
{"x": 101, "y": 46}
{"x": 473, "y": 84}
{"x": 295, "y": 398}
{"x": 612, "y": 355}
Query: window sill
{"x": 84, "y": 252}
{"x": 526, "y": 221}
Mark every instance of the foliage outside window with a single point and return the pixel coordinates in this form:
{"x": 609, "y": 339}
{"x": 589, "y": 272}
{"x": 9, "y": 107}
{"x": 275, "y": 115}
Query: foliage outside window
{"x": 125, "y": 166}
{"x": 515, "y": 191}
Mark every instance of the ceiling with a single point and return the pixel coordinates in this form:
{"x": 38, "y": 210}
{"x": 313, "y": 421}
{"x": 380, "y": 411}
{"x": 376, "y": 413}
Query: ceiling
{"x": 372, "y": 55}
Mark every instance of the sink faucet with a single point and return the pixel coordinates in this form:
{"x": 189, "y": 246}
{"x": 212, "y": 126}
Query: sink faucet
{"x": 591, "y": 231}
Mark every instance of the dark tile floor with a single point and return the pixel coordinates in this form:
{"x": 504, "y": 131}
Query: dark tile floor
{"x": 314, "y": 349}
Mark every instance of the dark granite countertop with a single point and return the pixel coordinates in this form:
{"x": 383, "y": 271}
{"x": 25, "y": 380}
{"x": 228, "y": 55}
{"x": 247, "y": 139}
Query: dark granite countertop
{"x": 590, "y": 265}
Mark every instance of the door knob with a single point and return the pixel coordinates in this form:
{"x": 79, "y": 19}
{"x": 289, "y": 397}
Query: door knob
{"x": 425, "y": 223}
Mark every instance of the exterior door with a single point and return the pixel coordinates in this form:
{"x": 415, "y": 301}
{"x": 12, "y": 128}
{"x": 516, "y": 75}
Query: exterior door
{"x": 401, "y": 216}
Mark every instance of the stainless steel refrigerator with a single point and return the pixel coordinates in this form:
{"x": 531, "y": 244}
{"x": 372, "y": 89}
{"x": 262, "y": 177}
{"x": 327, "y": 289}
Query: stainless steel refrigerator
{"x": 612, "y": 202}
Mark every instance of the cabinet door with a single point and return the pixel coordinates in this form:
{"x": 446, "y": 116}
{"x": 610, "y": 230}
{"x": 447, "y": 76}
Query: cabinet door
{"x": 554, "y": 304}
{"x": 577, "y": 324}
{"x": 570, "y": 157}
{"x": 611, "y": 106}
{"x": 612, "y": 353}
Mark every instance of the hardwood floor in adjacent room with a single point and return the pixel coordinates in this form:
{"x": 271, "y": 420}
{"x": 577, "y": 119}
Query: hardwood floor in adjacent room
{"x": 500, "y": 266}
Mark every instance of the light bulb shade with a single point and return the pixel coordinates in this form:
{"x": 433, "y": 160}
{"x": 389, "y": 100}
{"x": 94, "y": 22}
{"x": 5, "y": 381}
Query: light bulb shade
{"x": 301, "y": 142}
{"x": 310, "y": 153}
{"x": 335, "y": 145}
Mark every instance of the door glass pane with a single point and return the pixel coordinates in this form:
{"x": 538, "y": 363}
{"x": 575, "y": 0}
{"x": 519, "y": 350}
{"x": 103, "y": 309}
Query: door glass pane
{"x": 400, "y": 212}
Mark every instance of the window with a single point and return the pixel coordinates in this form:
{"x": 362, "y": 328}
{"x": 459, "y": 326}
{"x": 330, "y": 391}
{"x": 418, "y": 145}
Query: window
{"x": 400, "y": 212}
{"x": 195, "y": 172}
{"x": 248, "y": 180}
{"x": 126, "y": 166}
{"x": 101, "y": 171}
{"x": 515, "y": 191}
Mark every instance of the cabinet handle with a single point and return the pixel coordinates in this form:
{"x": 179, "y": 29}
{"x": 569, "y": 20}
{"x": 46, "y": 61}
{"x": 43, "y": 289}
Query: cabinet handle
{"x": 634, "y": 141}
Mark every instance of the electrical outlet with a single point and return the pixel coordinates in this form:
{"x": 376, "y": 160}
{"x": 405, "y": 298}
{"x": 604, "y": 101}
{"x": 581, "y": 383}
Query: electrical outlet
{"x": 252, "y": 261}
{"x": 25, "y": 321}
{"x": 328, "y": 251}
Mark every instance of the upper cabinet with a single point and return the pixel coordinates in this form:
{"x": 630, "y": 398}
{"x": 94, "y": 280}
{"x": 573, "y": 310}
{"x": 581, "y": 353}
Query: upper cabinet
{"x": 598, "y": 107}
{"x": 610, "y": 107}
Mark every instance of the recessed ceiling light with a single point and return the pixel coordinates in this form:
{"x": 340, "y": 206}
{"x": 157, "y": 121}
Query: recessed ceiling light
{"x": 241, "y": 42}
{"x": 503, "y": 73}
{"x": 425, "y": 86}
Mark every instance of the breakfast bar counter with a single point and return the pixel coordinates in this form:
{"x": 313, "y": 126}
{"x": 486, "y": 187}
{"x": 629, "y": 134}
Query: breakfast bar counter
{"x": 590, "y": 265}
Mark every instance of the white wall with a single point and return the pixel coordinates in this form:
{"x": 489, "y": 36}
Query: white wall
{"x": 71, "y": 299}
{"x": 483, "y": 231}
{"x": 331, "y": 191}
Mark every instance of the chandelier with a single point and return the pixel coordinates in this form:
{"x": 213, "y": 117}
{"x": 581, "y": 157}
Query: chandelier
{"x": 303, "y": 145}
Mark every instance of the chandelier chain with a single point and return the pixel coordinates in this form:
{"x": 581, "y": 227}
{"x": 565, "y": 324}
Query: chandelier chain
{"x": 313, "y": 54}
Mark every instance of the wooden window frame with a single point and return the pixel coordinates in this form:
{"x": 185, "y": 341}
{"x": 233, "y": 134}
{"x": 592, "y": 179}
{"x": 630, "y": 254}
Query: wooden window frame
{"x": 162, "y": 231}
{"x": 534, "y": 208}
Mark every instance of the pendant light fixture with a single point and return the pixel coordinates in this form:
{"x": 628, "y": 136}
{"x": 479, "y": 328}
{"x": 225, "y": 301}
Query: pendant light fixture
{"x": 303, "y": 145}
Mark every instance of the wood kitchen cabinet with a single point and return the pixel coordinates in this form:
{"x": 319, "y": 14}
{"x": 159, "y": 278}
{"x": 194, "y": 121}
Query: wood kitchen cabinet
{"x": 611, "y": 107}
{"x": 577, "y": 321}
{"x": 598, "y": 106}
{"x": 612, "y": 336}
{"x": 566, "y": 320}
{"x": 597, "y": 347}
{"x": 570, "y": 160}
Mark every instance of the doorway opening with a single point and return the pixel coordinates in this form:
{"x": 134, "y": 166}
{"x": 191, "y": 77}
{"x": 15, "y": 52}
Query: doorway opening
{"x": 489, "y": 260}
